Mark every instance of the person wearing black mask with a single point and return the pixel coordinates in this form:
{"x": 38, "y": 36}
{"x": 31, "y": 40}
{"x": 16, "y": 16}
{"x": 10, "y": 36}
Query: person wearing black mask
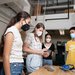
{"x": 25, "y": 27}
{"x": 12, "y": 43}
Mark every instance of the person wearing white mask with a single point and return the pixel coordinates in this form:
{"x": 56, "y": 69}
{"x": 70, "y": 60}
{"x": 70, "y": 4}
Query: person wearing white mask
{"x": 47, "y": 57}
{"x": 33, "y": 47}
{"x": 70, "y": 47}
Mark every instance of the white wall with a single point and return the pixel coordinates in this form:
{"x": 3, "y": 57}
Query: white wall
{"x": 27, "y": 9}
{"x": 2, "y": 28}
{"x": 55, "y": 24}
{"x": 23, "y": 5}
{"x": 5, "y": 16}
{"x": 6, "y": 1}
{"x": 3, "y": 23}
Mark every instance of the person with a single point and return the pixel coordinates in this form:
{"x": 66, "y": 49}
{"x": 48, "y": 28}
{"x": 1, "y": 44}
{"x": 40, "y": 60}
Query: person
{"x": 70, "y": 48}
{"x": 33, "y": 47}
{"x": 11, "y": 39}
{"x": 47, "y": 57}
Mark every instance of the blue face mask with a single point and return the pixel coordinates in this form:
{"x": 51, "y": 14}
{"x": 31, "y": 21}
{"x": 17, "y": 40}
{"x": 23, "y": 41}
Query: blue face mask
{"x": 72, "y": 35}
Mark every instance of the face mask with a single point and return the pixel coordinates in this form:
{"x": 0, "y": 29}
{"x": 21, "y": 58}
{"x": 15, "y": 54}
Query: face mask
{"x": 48, "y": 40}
{"x": 39, "y": 33}
{"x": 72, "y": 35}
{"x": 25, "y": 27}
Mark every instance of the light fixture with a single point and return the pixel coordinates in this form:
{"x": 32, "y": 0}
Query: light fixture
{"x": 74, "y": 7}
{"x": 61, "y": 31}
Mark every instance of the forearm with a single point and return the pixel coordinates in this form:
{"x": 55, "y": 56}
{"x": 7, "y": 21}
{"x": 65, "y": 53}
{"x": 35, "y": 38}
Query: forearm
{"x": 31, "y": 51}
{"x": 6, "y": 65}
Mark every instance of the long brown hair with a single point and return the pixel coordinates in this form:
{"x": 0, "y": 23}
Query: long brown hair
{"x": 39, "y": 25}
{"x": 12, "y": 22}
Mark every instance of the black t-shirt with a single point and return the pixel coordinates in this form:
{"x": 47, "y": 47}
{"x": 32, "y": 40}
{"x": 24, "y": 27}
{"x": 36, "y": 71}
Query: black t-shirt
{"x": 51, "y": 49}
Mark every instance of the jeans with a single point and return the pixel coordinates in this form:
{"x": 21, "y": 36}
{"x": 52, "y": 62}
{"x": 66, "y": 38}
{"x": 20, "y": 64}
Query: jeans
{"x": 47, "y": 62}
{"x": 33, "y": 62}
{"x": 16, "y": 68}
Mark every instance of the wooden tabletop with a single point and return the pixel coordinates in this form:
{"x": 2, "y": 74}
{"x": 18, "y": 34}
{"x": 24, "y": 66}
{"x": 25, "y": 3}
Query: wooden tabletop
{"x": 57, "y": 71}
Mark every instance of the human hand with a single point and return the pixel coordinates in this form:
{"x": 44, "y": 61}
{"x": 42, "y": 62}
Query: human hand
{"x": 43, "y": 51}
{"x": 46, "y": 54}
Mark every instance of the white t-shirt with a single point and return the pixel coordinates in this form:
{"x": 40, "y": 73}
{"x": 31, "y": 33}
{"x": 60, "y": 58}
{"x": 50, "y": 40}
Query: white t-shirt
{"x": 16, "y": 50}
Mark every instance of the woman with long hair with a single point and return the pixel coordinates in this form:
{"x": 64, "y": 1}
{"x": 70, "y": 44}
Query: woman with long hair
{"x": 47, "y": 57}
{"x": 12, "y": 44}
{"x": 33, "y": 46}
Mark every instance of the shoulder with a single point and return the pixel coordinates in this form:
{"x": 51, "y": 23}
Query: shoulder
{"x": 70, "y": 41}
{"x": 29, "y": 38}
{"x": 52, "y": 44}
{"x": 11, "y": 29}
{"x": 30, "y": 34}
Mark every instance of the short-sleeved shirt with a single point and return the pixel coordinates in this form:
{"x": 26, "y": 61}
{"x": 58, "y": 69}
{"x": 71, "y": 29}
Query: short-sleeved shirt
{"x": 33, "y": 61}
{"x": 70, "y": 47}
{"x": 34, "y": 42}
{"x": 51, "y": 49}
{"x": 16, "y": 50}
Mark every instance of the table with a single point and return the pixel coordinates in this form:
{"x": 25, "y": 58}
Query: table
{"x": 57, "y": 71}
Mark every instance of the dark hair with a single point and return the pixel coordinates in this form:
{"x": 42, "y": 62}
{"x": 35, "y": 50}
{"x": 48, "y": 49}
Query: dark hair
{"x": 18, "y": 17}
{"x": 72, "y": 28}
{"x": 39, "y": 25}
{"x": 47, "y": 35}
{"x": 13, "y": 21}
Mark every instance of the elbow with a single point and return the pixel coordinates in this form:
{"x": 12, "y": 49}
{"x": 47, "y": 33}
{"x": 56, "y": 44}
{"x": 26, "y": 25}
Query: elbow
{"x": 5, "y": 57}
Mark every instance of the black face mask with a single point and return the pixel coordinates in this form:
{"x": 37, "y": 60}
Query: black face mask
{"x": 25, "y": 27}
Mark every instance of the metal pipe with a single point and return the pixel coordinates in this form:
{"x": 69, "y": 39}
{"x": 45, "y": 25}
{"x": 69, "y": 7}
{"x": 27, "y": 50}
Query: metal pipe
{"x": 61, "y": 18}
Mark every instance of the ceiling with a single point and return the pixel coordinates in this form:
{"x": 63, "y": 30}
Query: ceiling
{"x": 14, "y": 6}
{"x": 5, "y": 1}
{"x": 56, "y": 34}
{"x": 50, "y": 2}
{"x": 9, "y": 8}
{"x": 51, "y": 6}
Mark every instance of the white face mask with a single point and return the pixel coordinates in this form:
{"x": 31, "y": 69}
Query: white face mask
{"x": 39, "y": 33}
{"x": 48, "y": 40}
